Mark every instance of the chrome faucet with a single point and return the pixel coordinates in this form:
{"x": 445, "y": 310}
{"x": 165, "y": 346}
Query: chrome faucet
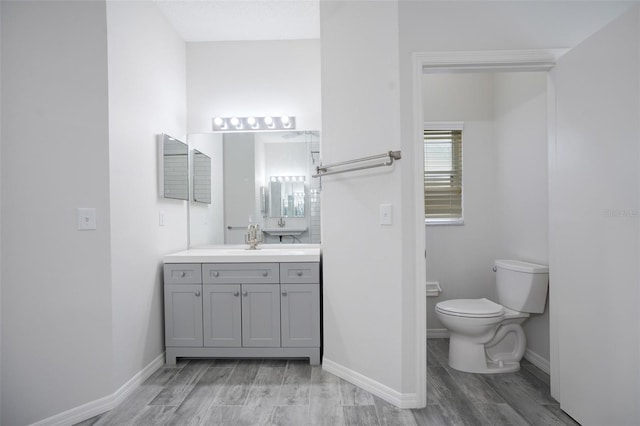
{"x": 253, "y": 237}
{"x": 281, "y": 222}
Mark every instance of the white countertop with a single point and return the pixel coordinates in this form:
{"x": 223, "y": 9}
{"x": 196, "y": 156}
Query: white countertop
{"x": 241, "y": 254}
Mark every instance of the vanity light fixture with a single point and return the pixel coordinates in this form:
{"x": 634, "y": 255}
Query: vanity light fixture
{"x": 247, "y": 124}
{"x": 287, "y": 178}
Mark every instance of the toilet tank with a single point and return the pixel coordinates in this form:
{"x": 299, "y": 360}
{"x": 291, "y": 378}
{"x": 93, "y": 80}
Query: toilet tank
{"x": 522, "y": 286}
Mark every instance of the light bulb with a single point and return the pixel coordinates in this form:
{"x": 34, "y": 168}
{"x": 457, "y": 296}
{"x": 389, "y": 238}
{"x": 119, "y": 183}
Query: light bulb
{"x": 268, "y": 121}
{"x": 218, "y": 121}
{"x": 286, "y": 121}
{"x": 251, "y": 121}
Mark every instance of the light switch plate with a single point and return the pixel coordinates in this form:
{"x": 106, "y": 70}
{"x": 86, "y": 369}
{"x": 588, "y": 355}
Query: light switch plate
{"x": 86, "y": 219}
{"x": 386, "y": 214}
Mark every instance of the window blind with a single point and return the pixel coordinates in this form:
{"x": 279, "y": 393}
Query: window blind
{"x": 443, "y": 174}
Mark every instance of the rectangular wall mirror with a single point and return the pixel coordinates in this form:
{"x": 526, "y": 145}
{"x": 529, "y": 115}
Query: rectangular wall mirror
{"x": 287, "y": 196}
{"x": 174, "y": 168}
{"x": 244, "y": 173}
{"x": 201, "y": 177}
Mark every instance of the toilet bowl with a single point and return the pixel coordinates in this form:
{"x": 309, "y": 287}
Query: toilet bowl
{"x": 487, "y": 337}
{"x": 475, "y": 325}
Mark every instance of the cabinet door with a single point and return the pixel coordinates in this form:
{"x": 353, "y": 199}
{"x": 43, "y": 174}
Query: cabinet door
{"x": 222, "y": 315}
{"x": 261, "y": 315}
{"x": 300, "y": 305}
{"x": 183, "y": 314}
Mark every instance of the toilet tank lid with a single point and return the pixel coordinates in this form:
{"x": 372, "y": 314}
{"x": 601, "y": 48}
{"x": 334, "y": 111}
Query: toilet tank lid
{"x": 520, "y": 266}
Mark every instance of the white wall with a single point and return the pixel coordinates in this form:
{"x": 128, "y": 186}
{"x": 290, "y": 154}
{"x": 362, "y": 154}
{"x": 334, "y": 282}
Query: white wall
{"x": 253, "y": 78}
{"x": 56, "y": 313}
{"x": 490, "y": 25}
{"x": 520, "y": 131}
{"x": 594, "y": 210}
{"x": 460, "y": 257}
{"x": 363, "y": 277}
{"x": 147, "y": 96}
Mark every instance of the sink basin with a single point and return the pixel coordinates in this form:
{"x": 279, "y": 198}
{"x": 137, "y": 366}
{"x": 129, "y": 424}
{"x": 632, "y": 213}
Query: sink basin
{"x": 279, "y": 232}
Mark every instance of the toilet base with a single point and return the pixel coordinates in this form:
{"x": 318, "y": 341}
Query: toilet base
{"x": 502, "y": 367}
{"x": 470, "y": 357}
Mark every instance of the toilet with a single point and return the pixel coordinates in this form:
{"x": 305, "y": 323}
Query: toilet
{"x": 487, "y": 337}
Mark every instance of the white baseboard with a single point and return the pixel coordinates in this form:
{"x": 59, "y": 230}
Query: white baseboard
{"x": 401, "y": 400}
{"x": 99, "y": 406}
{"x": 538, "y": 361}
{"x": 437, "y": 333}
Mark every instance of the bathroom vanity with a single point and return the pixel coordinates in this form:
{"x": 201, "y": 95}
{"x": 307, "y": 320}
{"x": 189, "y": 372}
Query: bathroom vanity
{"x": 230, "y": 302}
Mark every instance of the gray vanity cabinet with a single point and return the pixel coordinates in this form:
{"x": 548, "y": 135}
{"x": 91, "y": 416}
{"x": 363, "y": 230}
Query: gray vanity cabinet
{"x": 242, "y": 310}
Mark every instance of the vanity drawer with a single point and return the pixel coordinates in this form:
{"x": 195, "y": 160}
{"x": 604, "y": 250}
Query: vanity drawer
{"x": 300, "y": 273}
{"x": 240, "y": 273}
{"x": 182, "y": 273}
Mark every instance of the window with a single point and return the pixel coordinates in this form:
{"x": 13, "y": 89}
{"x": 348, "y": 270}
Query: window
{"x": 443, "y": 174}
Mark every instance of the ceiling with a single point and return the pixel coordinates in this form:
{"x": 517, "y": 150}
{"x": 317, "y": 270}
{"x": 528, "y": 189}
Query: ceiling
{"x": 226, "y": 20}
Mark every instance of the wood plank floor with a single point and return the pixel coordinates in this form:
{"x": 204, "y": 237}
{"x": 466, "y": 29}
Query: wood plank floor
{"x": 279, "y": 392}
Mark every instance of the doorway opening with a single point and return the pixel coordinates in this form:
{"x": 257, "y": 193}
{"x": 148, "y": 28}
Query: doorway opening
{"x": 504, "y": 101}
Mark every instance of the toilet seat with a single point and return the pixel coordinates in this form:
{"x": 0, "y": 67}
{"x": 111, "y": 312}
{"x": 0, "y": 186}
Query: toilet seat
{"x": 470, "y": 308}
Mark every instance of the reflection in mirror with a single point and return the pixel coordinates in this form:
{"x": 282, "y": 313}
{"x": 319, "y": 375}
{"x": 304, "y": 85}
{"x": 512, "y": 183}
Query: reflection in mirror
{"x": 287, "y": 195}
{"x": 174, "y": 177}
{"x": 241, "y": 194}
{"x": 201, "y": 177}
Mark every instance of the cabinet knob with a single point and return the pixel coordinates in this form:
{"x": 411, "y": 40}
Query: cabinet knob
{"x": 299, "y": 273}
{"x": 284, "y": 293}
{"x": 265, "y": 273}
{"x": 216, "y": 273}
{"x": 182, "y": 274}
{"x": 197, "y": 293}
{"x": 245, "y": 294}
{"x": 236, "y": 293}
